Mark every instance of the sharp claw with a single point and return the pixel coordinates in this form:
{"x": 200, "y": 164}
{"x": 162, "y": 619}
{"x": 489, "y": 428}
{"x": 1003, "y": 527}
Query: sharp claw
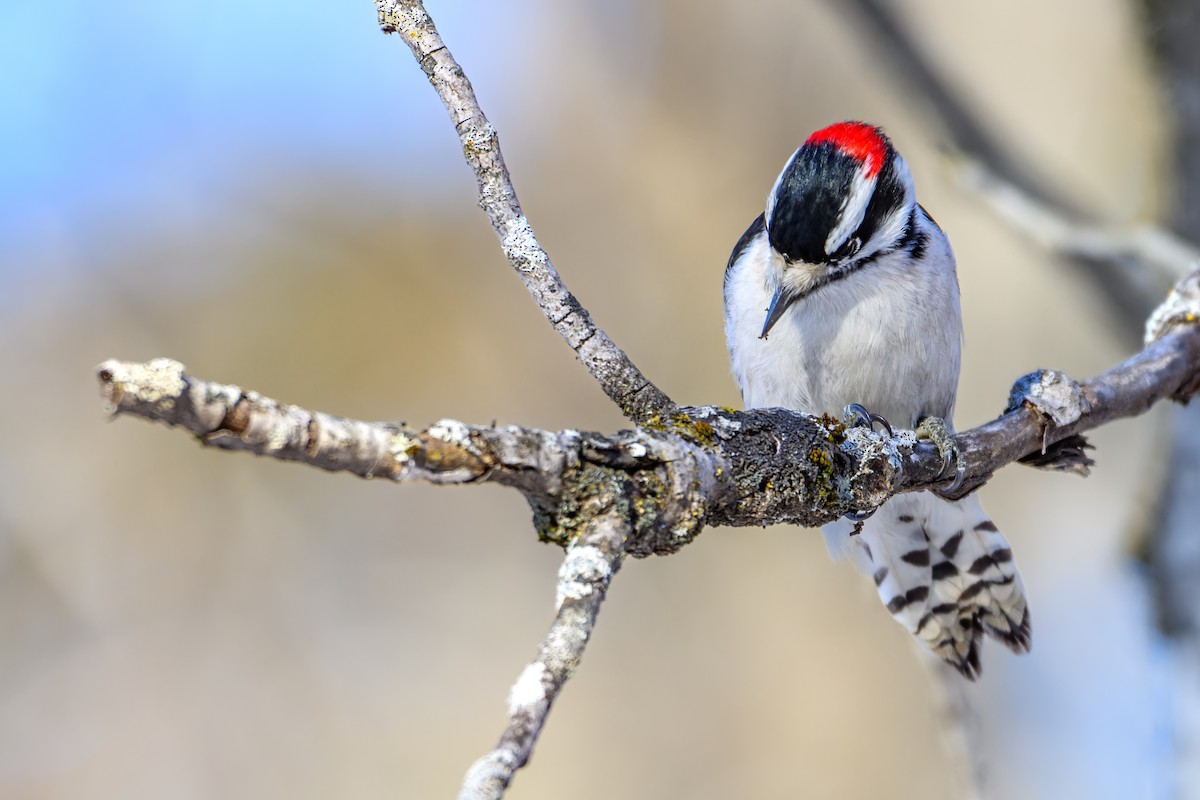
{"x": 859, "y": 516}
{"x": 856, "y": 416}
{"x": 960, "y": 474}
{"x": 934, "y": 430}
{"x": 886, "y": 426}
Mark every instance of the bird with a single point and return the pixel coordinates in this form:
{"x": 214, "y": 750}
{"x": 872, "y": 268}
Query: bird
{"x": 844, "y": 294}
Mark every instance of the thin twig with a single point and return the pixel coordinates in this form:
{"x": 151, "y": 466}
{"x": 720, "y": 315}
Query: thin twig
{"x": 583, "y": 581}
{"x": 637, "y": 397}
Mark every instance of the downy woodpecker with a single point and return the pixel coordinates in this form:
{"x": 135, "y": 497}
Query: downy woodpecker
{"x": 844, "y": 292}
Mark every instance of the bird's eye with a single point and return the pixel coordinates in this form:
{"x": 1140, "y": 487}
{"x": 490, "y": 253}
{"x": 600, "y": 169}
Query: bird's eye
{"x": 848, "y": 249}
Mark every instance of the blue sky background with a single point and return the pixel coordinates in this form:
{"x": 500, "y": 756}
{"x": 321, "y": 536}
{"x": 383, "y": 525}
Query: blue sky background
{"x": 117, "y": 114}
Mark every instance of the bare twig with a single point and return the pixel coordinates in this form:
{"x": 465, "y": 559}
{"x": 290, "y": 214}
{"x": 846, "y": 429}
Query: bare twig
{"x": 583, "y": 579}
{"x": 621, "y": 380}
{"x": 1167, "y": 368}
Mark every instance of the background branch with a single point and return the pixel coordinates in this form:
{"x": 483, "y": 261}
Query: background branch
{"x": 1131, "y": 268}
{"x": 1172, "y": 548}
{"x": 1150, "y": 256}
{"x": 958, "y": 122}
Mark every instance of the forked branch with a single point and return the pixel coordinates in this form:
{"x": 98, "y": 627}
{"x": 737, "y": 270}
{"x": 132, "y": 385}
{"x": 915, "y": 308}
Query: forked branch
{"x": 651, "y": 490}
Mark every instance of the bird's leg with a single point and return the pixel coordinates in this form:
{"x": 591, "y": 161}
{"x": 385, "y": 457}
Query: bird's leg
{"x": 856, "y": 416}
{"x": 933, "y": 429}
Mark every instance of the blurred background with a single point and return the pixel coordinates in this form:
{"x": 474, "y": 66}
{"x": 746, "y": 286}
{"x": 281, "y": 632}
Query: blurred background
{"x": 271, "y": 193}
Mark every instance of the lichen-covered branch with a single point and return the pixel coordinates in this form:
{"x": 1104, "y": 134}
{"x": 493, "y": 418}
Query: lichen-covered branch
{"x": 699, "y": 466}
{"x": 637, "y": 397}
{"x": 652, "y": 490}
{"x": 583, "y": 579}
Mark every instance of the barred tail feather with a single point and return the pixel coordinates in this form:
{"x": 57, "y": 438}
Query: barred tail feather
{"x": 944, "y": 572}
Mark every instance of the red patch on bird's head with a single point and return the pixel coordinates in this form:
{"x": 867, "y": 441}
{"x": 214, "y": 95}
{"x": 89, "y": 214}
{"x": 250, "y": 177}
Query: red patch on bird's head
{"x": 858, "y": 140}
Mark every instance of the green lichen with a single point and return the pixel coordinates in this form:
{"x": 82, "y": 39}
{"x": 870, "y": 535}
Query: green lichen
{"x": 694, "y": 430}
{"x": 640, "y": 496}
{"x": 823, "y": 483}
{"x": 585, "y": 495}
{"x": 835, "y": 428}
{"x": 548, "y": 528}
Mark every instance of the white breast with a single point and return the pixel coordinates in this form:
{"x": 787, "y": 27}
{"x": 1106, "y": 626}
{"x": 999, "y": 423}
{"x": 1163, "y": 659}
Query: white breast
{"x": 887, "y": 336}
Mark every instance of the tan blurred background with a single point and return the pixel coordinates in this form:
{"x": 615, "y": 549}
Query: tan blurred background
{"x": 184, "y": 623}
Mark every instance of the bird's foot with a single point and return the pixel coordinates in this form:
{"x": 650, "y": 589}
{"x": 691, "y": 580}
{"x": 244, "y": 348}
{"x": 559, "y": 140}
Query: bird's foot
{"x": 933, "y": 429}
{"x": 857, "y": 416}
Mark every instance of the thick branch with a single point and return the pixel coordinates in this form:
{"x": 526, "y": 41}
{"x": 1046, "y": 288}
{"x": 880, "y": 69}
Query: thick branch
{"x": 701, "y": 466}
{"x": 621, "y": 380}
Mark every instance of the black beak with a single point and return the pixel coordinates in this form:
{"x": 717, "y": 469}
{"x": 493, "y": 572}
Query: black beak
{"x": 780, "y": 303}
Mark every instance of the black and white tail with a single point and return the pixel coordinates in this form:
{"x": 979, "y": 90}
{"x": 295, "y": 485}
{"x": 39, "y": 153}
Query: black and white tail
{"x": 944, "y": 571}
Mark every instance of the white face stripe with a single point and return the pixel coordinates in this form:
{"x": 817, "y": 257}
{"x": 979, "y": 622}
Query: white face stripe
{"x": 854, "y": 208}
{"x": 892, "y": 228}
{"x": 775, "y": 188}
